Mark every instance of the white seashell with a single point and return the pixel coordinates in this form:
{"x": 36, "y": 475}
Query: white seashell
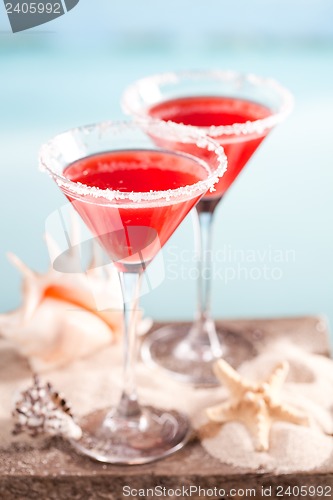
{"x": 54, "y": 335}
{"x": 62, "y": 425}
{"x": 41, "y": 410}
{"x": 58, "y": 320}
{"x": 63, "y": 316}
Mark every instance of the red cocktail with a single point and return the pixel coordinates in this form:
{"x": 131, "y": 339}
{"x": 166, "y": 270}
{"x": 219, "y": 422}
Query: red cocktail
{"x": 212, "y": 111}
{"x": 238, "y": 111}
{"x": 132, "y": 234}
{"x": 132, "y": 195}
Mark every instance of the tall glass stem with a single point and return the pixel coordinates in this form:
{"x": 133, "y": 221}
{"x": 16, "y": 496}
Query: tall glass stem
{"x": 130, "y": 283}
{"x": 205, "y": 264}
{"x": 203, "y": 331}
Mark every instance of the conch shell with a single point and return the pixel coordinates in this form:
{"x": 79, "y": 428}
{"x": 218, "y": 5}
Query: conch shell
{"x": 59, "y": 320}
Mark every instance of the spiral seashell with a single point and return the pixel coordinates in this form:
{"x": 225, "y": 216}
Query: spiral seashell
{"x": 41, "y": 410}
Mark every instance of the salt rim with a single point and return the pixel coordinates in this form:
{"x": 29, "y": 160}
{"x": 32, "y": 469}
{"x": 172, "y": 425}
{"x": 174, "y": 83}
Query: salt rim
{"x": 50, "y": 152}
{"x": 133, "y": 93}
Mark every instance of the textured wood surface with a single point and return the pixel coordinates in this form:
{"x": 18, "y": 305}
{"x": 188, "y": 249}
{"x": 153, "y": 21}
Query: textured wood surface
{"x": 54, "y": 471}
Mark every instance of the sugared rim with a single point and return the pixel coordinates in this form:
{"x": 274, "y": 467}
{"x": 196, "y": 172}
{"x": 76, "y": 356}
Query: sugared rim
{"x": 133, "y": 94}
{"x": 51, "y": 151}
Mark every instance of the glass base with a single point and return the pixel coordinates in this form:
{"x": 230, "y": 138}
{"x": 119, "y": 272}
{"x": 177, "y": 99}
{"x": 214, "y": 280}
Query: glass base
{"x": 111, "y": 438}
{"x": 172, "y": 349}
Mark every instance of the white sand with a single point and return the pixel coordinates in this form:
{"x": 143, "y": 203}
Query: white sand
{"x": 95, "y": 382}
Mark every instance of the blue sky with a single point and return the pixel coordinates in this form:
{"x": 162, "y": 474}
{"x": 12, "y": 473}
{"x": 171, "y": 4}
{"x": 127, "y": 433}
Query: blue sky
{"x": 192, "y": 19}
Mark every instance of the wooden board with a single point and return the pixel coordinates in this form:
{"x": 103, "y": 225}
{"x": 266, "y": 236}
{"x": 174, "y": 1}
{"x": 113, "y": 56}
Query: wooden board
{"x": 55, "y": 472}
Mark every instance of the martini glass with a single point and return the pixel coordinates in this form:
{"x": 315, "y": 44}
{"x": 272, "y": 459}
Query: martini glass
{"x": 237, "y": 110}
{"x": 132, "y": 195}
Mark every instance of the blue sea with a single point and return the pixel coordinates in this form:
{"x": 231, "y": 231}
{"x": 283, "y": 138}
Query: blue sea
{"x": 273, "y": 241}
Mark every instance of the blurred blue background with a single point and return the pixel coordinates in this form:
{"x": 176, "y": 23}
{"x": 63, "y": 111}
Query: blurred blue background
{"x": 274, "y": 228}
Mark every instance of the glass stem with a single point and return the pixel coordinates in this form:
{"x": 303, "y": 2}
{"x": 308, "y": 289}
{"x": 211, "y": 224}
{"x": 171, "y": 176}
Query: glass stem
{"x": 203, "y": 330}
{"x": 130, "y": 283}
{"x": 205, "y": 263}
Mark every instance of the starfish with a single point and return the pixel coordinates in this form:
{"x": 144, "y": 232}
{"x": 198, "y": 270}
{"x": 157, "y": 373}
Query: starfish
{"x": 257, "y": 405}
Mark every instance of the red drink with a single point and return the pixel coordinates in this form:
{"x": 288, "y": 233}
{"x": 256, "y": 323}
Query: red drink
{"x": 133, "y": 232}
{"x": 208, "y": 111}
